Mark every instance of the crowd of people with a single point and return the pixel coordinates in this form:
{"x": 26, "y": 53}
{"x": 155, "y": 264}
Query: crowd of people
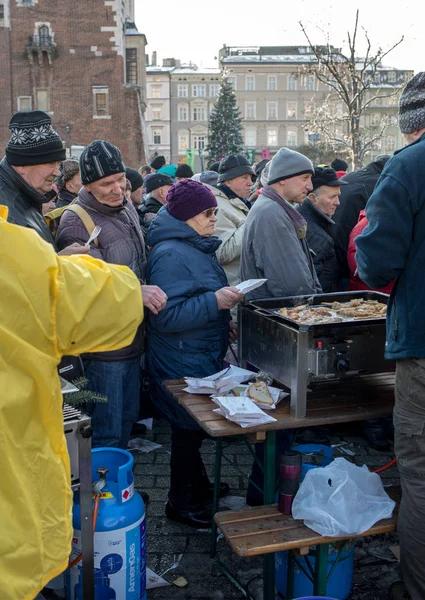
{"x": 176, "y": 244}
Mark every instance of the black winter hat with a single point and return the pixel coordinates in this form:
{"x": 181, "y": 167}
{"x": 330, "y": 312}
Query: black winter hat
{"x": 134, "y": 178}
{"x": 339, "y": 165}
{"x": 98, "y": 160}
{"x": 325, "y": 176}
{"x": 156, "y": 181}
{"x": 214, "y": 166}
{"x": 184, "y": 171}
{"x": 33, "y": 140}
{"x": 233, "y": 166}
{"x": 158, "y": 162}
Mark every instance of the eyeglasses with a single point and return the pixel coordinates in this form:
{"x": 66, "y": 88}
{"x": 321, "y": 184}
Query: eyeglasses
{"x": 210, "y": 212}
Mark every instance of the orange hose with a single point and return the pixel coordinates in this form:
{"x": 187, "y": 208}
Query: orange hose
{"x": 94, "y": 520}
{"x": 385, "y": 467}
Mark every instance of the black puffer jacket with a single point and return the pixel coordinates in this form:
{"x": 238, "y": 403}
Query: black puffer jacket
{"x": 353, "y": 199}
{"x": 24, "y": 202}
{"x": 320, "y": 231}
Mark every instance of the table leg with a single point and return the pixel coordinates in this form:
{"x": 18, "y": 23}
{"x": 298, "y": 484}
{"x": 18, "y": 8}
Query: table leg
{"x": 84, "y": 450}
{"x": 291, "y": 576}
{"x": 321, "y": 574}
{"x": 217, "y": 478}
{"x": 269, "y": 497}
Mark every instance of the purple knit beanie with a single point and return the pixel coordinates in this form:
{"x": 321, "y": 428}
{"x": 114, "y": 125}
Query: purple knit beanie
{"x": 188, "y": 198}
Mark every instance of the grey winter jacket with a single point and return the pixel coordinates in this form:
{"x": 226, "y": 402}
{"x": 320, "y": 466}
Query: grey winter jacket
{"x": 120, "y": 242}
{"x": 272, "y": 250}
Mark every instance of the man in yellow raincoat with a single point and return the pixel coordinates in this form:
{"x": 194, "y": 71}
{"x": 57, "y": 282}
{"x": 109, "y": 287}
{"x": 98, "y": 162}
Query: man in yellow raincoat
{"x": 50, "y": 306}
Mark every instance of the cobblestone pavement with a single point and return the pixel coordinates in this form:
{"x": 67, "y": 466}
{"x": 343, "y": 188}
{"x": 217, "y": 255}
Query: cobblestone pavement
{"x": 375, "y": 566}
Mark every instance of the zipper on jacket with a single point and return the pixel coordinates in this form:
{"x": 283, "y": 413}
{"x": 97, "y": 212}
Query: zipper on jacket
{"x": 395, "y": 330}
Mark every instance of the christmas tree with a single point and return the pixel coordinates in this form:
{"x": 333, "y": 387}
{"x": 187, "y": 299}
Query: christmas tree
{"x": 225, "y": 125}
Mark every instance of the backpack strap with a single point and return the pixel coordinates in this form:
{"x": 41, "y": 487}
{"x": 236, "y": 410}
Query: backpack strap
{"x": 85, "y": 217}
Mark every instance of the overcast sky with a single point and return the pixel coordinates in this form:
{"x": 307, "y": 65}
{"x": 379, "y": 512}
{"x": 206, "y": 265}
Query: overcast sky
{"x": 194, "y": 30}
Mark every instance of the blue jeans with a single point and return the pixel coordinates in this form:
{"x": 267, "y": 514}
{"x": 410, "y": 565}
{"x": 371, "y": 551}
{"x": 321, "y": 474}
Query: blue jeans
{"x": 120, "y": 383}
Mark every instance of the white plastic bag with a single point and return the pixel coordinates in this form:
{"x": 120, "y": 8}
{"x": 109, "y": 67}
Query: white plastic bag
{"x": 341, "y": 499}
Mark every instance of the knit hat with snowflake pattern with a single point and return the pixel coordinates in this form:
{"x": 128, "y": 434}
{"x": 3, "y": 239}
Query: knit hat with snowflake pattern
{"x": 33, "y": 140}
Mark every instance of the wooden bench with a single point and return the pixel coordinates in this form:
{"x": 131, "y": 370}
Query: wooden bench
{"x": 264, "y": 530}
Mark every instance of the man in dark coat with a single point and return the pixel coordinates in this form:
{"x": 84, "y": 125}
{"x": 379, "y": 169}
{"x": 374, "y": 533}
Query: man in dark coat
{"x": 28, "y": 171}
{"x": 116, "y": 374}
{"x": 156, "y": 186}
{"x": 68, "y": 183}
{"x": 392, "y": 247}
{"x": 318, "y": 209}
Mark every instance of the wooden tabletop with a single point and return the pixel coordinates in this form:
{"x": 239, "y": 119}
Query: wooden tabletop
{"x": 263, "y": 530}
{"x": 341, "y": 401}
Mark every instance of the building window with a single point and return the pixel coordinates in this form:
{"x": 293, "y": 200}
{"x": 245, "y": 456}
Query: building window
{"x": 101, "y": 103}
{"x": 251, "y": 137}
{"x": 272, "y": 83}
{"x": 214, "y": 90}
{"x": 291, "y": 139}
{"x": 24, "y": 103}
{"x": 377, "y": 78}
{"x": 250, "y": 110}
{"x": 44, "y": 36}
{"x": 292, "y": 83}
{"x": 198, "y": 91}
{"x": 157, "y": 136}
{"x": 199, "y": 142}
{"x": 291, "y": 110}
{"x": 232, "y": 81}
{"x": 199, "y": 113}
{"x": 392, "y": 101}
{"x": 156, "y": 113}
{"x": 272, "y": 110}
{"x": 308, "y": 110}
{"x": 42, "y": 97}
{"x": 182, "y": 116}
{"x": 390, "y": 143}
{"x": 309, "y": 83}
{"x": 250, "y": 83}
{"x": 131, "y": 66}
{"x": 272, "y": 137}
{"x": 392, "y": 120}
{"x": 391, "y": 76}
{"x": 182, "y": 91}
{"x": 183, "y": 142}
{"x": 375, "y": 119}
{"x": 156, "y": 91}
{"x": 1, "y": 15}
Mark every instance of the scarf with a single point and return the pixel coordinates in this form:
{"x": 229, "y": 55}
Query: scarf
{"x": 298, "y": 221}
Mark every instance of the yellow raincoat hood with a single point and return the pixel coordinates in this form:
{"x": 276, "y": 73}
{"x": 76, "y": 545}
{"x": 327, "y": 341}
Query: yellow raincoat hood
{"x": 50, "y": 306}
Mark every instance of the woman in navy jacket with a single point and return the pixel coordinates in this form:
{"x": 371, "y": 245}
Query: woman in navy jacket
{"x": 189, "y": 338}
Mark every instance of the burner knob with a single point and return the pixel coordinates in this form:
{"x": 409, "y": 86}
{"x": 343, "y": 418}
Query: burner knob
{"x": 342, "y": 365}
{"x": 87, "y": 432}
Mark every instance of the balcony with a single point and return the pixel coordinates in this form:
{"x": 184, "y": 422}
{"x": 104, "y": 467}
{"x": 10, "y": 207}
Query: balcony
{"x": 40, "y": 45}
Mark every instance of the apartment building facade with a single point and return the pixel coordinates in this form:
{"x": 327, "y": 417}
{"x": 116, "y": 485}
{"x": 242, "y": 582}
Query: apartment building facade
{"x": 83, "y": 63}
{"x": 193, "y": 94}
{"x": 275, "y": 95}
{"x": 158, "y": 112}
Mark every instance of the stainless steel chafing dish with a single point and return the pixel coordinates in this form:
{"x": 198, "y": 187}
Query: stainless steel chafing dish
{"x": 298, "y": 355}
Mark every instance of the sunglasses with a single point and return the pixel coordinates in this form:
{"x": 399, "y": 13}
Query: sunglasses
{"x": 210, "y": 212}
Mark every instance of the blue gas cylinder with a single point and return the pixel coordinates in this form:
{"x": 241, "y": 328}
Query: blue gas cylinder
{"x": 120, "y": 535}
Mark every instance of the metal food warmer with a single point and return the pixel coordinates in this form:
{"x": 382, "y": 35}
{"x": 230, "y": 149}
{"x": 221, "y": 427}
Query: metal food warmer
{"x": 298, "y": 355}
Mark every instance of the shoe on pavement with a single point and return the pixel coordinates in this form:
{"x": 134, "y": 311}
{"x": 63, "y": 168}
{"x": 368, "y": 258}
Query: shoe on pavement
{"x": 398, "y": 591}
{"x": 195, "y": 516}
{"x": 376, "y": 438}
